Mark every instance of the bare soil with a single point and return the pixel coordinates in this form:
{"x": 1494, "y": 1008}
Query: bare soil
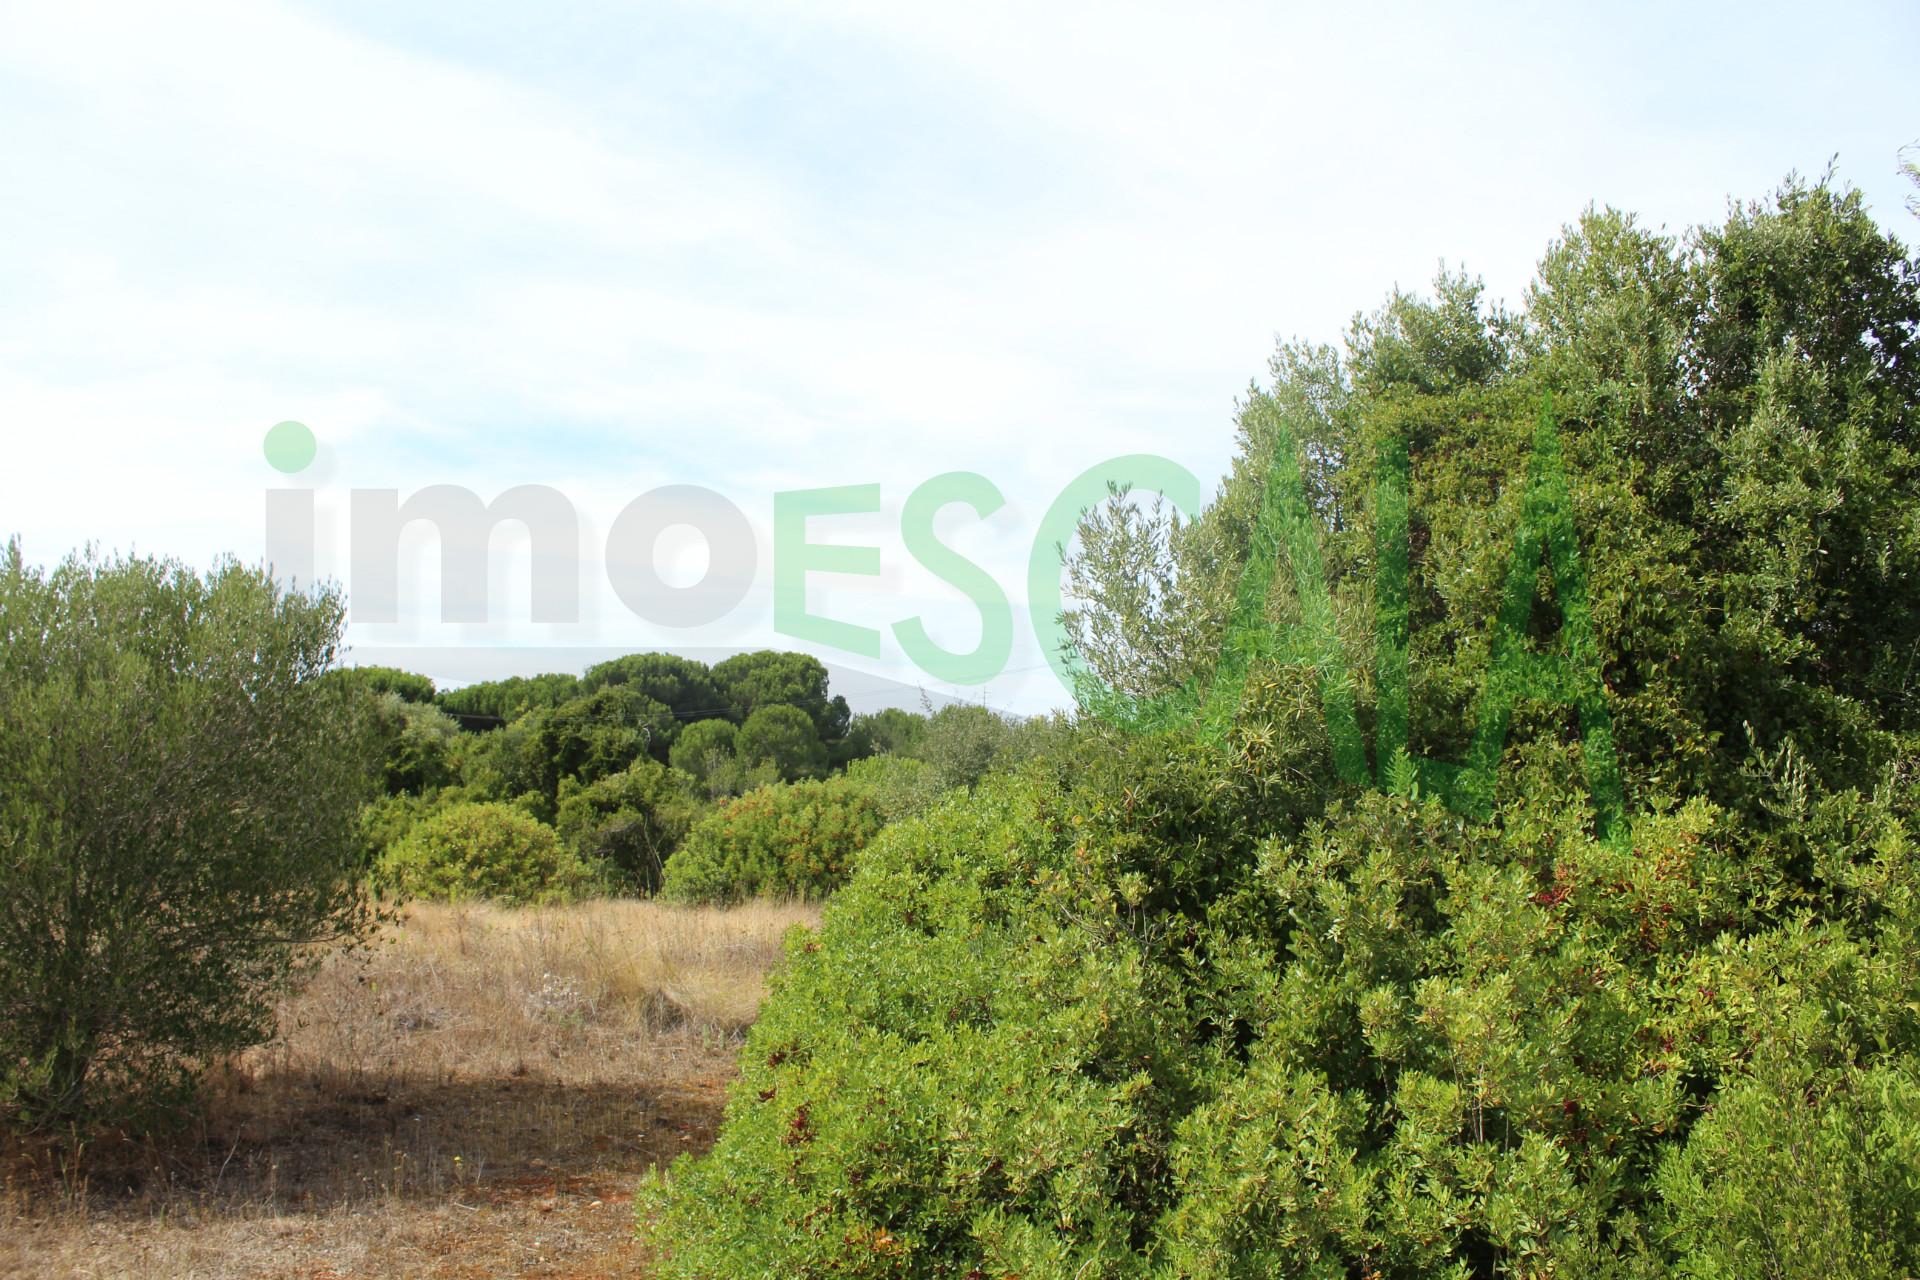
{"x": 474, "y": 1095}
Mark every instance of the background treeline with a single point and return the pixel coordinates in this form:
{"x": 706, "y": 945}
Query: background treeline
{"x": 652, "y": 773}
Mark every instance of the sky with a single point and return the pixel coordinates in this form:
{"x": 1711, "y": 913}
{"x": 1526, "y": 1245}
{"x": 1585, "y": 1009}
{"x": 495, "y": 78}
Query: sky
{"x": 764, "y": 248}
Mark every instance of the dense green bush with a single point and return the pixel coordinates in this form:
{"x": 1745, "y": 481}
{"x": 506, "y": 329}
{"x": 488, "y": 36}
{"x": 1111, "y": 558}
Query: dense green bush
{"x": 973, "y": 1049}
{"x": 1183, "y": 1006}
{"x": 1089, "y": 1021}
{"x": 1800, "y": 1171}
{"x": 385, "y": 821}
{"x": 177, "y": 816}
{"x": 786, "y": 840}
{"x": 486, "y": 850}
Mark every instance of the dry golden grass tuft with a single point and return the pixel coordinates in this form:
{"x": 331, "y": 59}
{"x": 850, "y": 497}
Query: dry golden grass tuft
{"x": 473, "y": 1094}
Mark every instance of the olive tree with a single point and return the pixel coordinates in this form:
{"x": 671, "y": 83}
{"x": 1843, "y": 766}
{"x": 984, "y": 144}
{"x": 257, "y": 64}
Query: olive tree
{"x": 177, "y": 825}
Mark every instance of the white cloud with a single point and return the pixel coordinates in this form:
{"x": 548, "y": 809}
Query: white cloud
{"x": 857, "y": 242}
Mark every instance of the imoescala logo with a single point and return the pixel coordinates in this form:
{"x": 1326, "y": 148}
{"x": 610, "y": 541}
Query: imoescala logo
{"x": 1285, "y": 530}
{"x": 464, "y": 522}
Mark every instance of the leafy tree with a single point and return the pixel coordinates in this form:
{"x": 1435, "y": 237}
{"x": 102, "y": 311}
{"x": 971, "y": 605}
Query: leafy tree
{"x": 682, "y": 685}
{"x": 764, "y": 678}
{"x": 783, "y": 737}
{"x": 630, "y": 821}
{"x": 490, "y": 703}
{"x": 891, "y": 731}
{"x": 1737, "y": 416}
{"x": 419, "y": 741}
{"x": 584, "y": 738}
{"x": 406, "y": 685}
{"x": 178, "y": 820}
{"x": 786, "y": 840}
{"x": 963, "y": 743}
{"x": 704, "y": 749}
{"x": 491, "y": 851}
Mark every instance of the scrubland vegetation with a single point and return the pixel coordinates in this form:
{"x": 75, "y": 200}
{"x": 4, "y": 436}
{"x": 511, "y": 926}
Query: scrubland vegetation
{"x": 1253, "y": 993}
{"x": 308, "y": 965}
{"x": 471, "y": 1094}
{"x": 655, "y": 773}
{"x": 1173, "y": 1004}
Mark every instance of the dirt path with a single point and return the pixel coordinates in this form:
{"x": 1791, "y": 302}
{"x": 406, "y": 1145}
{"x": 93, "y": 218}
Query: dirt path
{"x": 562, "y": 1213}
{"x": 476, "y": 1098}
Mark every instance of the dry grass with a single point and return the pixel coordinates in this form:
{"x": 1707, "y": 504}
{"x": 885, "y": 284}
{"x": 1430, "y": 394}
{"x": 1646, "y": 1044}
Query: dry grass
{"x": 472, "y": 1095}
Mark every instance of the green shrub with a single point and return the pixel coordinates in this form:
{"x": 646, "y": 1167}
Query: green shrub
{"x": 177, "y": 817}
{"x": 385, "y": 821}
{"x": 1796, "y": 1171}
{"x": 1089, "y": 1023}
{"x": 902, "y": 787}
{"x": 949, "y": 1065}
{"x": 973, "y": 1065}
{"x": 486, "y": 850}
{"x": 790, "y": 839}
